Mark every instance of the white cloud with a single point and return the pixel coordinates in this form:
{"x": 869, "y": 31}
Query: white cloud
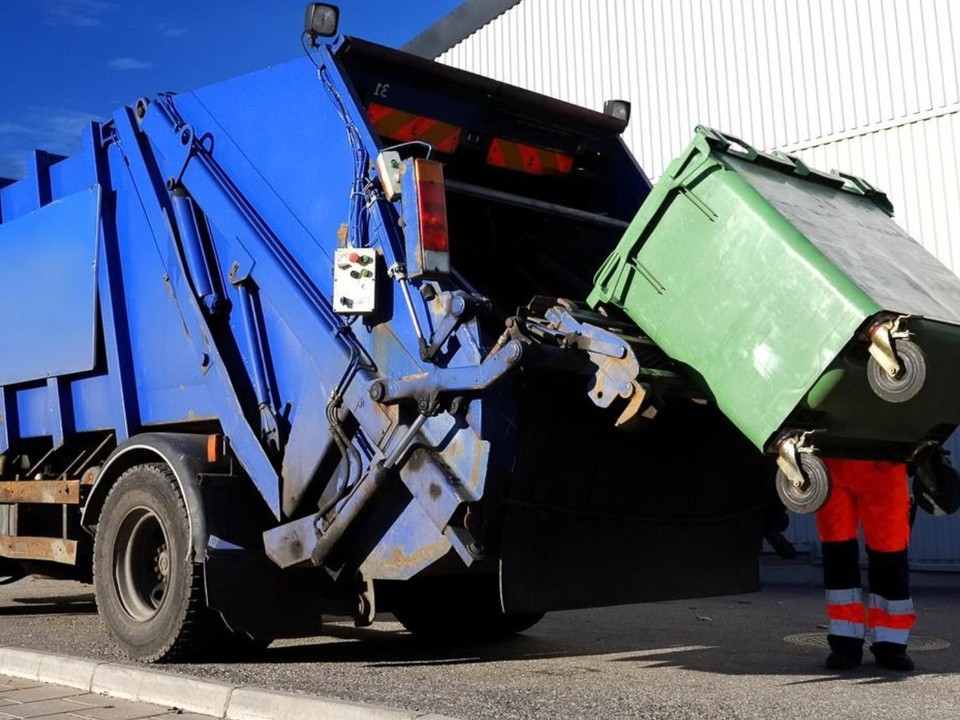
{"x": 56, "y": 130}
{"x": 169, "y": 30}
{"x": 61, "y": 127}
{"x": 129, "y": 63}
{"x": 14, "y": 129}
{"x": 76, "y": 13}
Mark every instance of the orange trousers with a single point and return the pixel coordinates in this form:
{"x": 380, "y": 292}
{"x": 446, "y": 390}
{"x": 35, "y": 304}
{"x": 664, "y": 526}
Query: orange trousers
{"x": 873, "y": 495}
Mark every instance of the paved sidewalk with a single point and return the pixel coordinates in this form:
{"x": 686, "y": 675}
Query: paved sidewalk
{"x": 73, "y": 685}
{"x": 20, "y": 698}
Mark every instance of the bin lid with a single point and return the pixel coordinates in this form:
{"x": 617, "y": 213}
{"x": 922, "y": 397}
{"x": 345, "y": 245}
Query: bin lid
{"x": 862, "y": 240}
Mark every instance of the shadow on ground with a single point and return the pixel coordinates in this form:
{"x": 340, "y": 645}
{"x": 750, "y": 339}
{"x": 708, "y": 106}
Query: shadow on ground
{"x": 55, "y": 605}
{"x": 728, "y": 655}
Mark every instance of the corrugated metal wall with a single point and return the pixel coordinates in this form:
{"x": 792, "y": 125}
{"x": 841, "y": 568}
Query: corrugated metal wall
{"x": 871, "y": 87}
{"x": 917, "y": 160}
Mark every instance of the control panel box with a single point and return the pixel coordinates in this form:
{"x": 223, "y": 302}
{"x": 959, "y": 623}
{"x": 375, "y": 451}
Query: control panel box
{"x": 355, "y": 281}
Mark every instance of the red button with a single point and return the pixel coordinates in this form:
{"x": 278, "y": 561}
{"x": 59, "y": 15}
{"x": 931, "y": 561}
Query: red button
{"x": 354, "y": 257}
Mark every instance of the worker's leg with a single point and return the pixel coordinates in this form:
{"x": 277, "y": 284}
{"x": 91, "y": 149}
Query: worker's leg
{"x": 837, "y": 526}
{"x": 884, "y": 512}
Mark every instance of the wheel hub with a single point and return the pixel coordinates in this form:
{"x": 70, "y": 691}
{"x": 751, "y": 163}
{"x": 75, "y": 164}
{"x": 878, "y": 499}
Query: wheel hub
{"x": 141, "y": 564}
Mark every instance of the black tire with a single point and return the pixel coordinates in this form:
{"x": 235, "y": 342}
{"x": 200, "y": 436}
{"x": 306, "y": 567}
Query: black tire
{"x": 449, "y": 611}
{"x": 936, "y": 486}
{"x": 149, "y": 591}
{"x": 905, "y": 384}
{"x": 815, "y": 491}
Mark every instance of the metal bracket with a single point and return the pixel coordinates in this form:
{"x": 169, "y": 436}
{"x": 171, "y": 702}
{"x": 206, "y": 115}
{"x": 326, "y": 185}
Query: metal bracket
{"x": 616, "y": 364}
{"x": 461, "y": 307}
{"x": 882, "y": 347}
{"x": 476, "y": 377}
{"x": 366, "y": 609}
{"x": 788, "y": 457}
{"x": 186, "y": 137}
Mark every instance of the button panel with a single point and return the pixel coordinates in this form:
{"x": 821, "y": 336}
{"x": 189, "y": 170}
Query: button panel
{"x": 354, "y": 281}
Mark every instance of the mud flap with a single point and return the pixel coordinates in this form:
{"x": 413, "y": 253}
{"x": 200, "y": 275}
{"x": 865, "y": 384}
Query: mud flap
{"x": 259, "y": 599}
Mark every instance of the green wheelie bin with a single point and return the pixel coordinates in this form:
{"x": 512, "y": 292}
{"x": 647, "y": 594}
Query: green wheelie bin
{"x": 801, "y": 308}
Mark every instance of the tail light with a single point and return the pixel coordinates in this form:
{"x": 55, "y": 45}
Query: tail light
{"x": 427, "y": 238}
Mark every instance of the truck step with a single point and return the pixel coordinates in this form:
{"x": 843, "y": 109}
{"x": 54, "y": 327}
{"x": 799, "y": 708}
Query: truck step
{"x": 57, "y": 550}
{"x": 59, "y": 492}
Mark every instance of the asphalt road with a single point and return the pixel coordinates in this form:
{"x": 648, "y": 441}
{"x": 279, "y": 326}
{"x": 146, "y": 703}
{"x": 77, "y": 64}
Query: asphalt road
{"x": 704, "y": 659}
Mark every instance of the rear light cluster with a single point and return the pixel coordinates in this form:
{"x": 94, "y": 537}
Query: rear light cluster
{"x": 432, "y": 206}
{"x": 425, "y": 217}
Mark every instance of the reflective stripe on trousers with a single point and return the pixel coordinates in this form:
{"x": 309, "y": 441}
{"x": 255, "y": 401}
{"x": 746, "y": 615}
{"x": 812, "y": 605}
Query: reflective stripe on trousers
{"x": 846, "y": 612}
{"x": 890, "y": 620}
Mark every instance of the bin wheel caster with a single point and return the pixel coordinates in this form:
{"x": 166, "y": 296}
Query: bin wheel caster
{"x": 905, "y": 384}
{"x": 815, "y": 490}
{"x": 936, "y": 486}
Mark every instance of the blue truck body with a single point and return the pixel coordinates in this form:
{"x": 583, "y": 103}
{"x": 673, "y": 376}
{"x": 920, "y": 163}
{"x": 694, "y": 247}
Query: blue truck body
{"x": 169, "y": 304}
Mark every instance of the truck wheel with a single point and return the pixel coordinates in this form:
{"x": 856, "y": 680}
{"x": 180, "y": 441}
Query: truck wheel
{"x": 905, "y": 384}
{"x": 149, "y": 592}
{"x": 815, "y": 490}
{"x": 457, "y": 610}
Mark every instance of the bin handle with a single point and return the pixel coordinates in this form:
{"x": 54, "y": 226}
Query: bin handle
{"x": 724, "y": 142}
{"x": 870, "y": 192}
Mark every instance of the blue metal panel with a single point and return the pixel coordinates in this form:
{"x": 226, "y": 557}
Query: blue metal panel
{"x": 123, "y": 410}
{"x": 32, "y": 405}
{"x": 301, "y": 152}
{"x": 184, "y": 320}
{"x": 54, "y": 252}
{"x": 92, "y": 403}
{"x": 71, "y": 175}
{"x": 19, "y": 199}
{"x": 410, "y": 545}
{"x": 169, "y": 383}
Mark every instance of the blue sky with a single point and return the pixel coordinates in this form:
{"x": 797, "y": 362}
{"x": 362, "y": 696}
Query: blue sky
{"x": 68, "y": 61}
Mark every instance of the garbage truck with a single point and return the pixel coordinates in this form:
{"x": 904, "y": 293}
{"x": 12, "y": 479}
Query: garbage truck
{"x": 313, "y": 341}
{"x": 316, "y": 341}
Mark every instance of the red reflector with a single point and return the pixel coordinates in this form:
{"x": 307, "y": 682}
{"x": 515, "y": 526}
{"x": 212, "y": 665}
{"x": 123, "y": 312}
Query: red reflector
{"x": 432, "y": 206}
{"x": 403, "y": 126}
{"x": 528, "y": 158}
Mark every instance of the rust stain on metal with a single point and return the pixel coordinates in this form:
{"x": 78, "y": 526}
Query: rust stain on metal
{"x": 455, "y": 451}
{"x": 423, "y": 554}
{"x": 397, "y": 564}
{"x": 57, "y": 492}
{"x": 39, "y": 548}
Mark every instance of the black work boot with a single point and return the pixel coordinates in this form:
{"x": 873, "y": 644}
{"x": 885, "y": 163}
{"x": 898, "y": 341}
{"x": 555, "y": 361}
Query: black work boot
{"x": 846, "y": 652}
{"x": 892, "y": 656}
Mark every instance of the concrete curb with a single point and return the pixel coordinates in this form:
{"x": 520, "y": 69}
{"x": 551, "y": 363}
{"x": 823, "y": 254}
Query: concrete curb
{"x": 219, "y": 700}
